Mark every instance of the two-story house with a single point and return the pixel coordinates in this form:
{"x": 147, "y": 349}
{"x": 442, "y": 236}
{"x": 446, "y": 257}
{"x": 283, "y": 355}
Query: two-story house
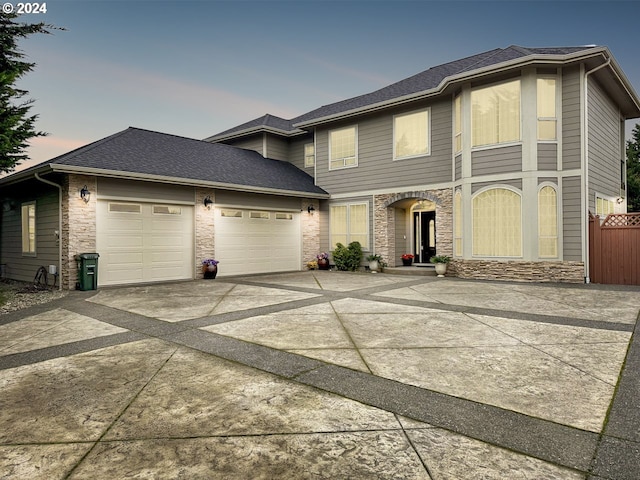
{"x": 490, "y": 159}
{"x": 495, "y": 160}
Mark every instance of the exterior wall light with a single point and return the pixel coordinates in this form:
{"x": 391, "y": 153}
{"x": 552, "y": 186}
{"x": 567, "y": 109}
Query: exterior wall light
{"x": 310, "y": 209}
{"x": 208, "y": 202}
{"x": 85, "y": 194}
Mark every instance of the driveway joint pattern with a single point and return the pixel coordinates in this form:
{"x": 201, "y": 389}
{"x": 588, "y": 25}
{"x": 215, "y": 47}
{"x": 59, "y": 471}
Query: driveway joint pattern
{"x": 609, "y": 453}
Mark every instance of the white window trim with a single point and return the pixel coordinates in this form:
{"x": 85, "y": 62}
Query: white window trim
{"x": 365, "y": 248}
{"x": 428, "y": 152}
{"x": 355, "y": 127}
{"x": 519, "y": 193}
{"x": 457, "y": 134}
{"x": 458, "y": 233}
{"x": 28, "y": 253}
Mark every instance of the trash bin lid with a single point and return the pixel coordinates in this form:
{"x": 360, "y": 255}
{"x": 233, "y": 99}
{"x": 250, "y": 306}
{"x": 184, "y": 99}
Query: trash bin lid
{"x": 87, "y": 256}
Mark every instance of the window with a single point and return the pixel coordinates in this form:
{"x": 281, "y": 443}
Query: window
{"x": 231, "y": 213}
{"x": 457, "y": 105}
{"x": 547, "y": 223}
{"x": 284, "y": 216}
{"x": 29, "y": 228}
{"x": 260, "y": 215}
{"x": 342, "y": 148}
{"x": 125, "y": 208}
{"x": 547, "y": 109}
{"x": 166, "y": 210}
{"x": 349, "y": 223}
{"x": 497, "y": 223}
{"x": 495, "y": 114}
{"x": 411, "y": 134}
{"x": 604, "y": 206}
{"x": 309, "y": 155}
{"x": 457, "y": 214}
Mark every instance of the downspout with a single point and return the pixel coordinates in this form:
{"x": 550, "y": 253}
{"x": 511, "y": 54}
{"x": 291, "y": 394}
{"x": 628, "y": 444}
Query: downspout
{"x": 585, "y": 206}
{"x": 59, "y": 187}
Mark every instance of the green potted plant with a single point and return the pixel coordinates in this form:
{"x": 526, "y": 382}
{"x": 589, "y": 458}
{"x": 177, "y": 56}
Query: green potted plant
{"x": 375, "y": 262}
{"x": 440, "y": 262}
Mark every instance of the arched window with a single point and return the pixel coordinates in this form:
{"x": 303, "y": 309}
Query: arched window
{"x": 497, "y": 223}
{"x": 547, "y": 222}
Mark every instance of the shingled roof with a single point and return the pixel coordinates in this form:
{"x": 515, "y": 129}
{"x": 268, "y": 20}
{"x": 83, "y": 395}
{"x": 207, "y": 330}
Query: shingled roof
{"x": 428, "y": 80}
{"x": 144, "y": 154}
{"x": 432, "y": 78}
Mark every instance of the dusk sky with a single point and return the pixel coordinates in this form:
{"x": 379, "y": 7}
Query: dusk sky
{"x": 197, "y": 68}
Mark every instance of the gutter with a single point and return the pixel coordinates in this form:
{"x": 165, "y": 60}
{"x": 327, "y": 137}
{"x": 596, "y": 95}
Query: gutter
{"x": 585, "y": 137}
{"x": 184, "y": 181}
{"x": 59, "y": 187}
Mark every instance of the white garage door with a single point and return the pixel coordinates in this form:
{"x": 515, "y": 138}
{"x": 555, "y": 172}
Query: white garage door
{"x": 144, "y": 242}
{"x": 256, "y": 241}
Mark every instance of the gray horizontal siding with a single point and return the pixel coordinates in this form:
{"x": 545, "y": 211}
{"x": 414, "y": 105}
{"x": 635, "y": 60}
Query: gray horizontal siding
{"x": 458, "y": 166}
{"x": 253, "y": 142}
{"x": 515, "y": 183}
{"x": 571, "y": 118}
{"x": 296, "y": 153}
{"x": 547, "y": 156}
{"x": 604, "y": 144}
{"x": 256, "y": 200}
{"x": 571, "y": 219}
{"x": 17, "y": 266}
{"x": 113, "y": 187}
{"x": 496, "y": 160}
{"x": 277, "y": 148}
{"x": 376, "y": 167}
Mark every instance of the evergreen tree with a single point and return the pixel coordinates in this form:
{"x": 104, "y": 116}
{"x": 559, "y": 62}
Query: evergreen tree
{"x": 633, "y": 171}
{"x": 16, "y": 125}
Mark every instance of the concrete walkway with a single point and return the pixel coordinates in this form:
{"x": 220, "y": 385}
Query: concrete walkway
{"x": 324, "y": 375}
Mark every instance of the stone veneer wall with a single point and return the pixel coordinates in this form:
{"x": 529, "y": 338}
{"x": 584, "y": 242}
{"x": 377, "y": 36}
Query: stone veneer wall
{"x": 78, "y": 233}
{"x": 384, "y": 219}
{"x": 205, "y": 229}
{"x": 565, "y": 272}
{"x": 310, "y": 223}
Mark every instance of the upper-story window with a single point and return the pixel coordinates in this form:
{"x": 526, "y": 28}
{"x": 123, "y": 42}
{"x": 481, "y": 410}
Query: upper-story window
{"x": 495, "y": 114}
{"x": 547, "y": 117}
{"x": 411, "y": 134}
{"x": 343, "y": 148}
{"x": 309, "y": 155}
{"x": 457, "y": 134}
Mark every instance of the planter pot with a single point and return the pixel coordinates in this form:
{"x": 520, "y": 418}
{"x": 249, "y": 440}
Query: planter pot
{"x": 323, "y": 264}
{"x": 441, "y": 269}
{"x": 407, "y": 262}
{"x": 374, "y": 266}
{"x": 209, "y": 271}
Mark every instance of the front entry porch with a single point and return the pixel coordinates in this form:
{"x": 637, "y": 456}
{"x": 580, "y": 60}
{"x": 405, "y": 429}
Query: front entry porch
{"x": 417, "y": 222}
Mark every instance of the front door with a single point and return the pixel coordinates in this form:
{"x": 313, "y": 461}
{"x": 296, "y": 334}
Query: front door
{"x": 424, "y": 227}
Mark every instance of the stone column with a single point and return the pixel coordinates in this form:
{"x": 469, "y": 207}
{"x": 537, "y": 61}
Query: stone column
{"x": 78, "y": 233}
{"x": 205, "y": 229}
{"x": 310, "y": 223}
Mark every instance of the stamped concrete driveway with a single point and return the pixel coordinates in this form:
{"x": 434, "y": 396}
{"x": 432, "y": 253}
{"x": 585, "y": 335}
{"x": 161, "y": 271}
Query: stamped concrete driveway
{"x": 324, "y": 375}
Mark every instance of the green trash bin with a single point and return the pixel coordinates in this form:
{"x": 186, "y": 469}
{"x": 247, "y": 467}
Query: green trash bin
{"x": 87, "y": 271}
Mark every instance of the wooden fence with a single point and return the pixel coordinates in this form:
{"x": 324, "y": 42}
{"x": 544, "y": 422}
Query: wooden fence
{"x": 614, "y": 249}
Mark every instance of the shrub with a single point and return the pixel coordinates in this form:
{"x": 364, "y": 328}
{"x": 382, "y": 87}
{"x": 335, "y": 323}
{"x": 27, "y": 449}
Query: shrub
{"x": 347, "y": 258}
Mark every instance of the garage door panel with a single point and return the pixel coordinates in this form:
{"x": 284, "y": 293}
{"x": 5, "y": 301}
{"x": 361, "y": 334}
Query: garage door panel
{"x": 144, "y": 246}
{"x": 257, "y": 245}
